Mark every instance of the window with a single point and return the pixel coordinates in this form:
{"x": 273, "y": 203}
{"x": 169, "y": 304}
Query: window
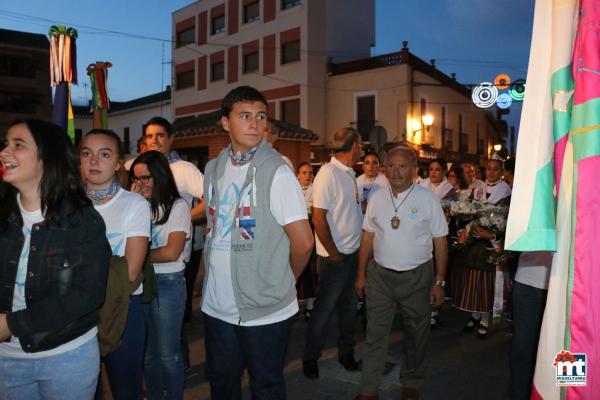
{"x": 217, "y": 25}
{"x": 18, "y": 103}
{"x": 480, "y": 146}
{"x": 217, "y": 71}
{"x": 287, "y": 4}
{"x": 365, "y": 115}
{"x": 252, "y": 12}
{"x": 184, "y": 80}
{"x": 290, "y": 112}
{"x": 16, "y": 66}
{"x": 185, "y": 37}
{"x": 251, "y": 62}
{"x": 290, "y": 52}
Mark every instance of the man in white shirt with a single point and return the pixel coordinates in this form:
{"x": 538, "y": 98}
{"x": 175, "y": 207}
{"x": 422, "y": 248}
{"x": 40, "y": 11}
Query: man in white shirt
{"x": 477, "y": 188}
{"x": 401, "y": 228}
{"x": 258, "y": 242}
{"x": 337, "y": 219}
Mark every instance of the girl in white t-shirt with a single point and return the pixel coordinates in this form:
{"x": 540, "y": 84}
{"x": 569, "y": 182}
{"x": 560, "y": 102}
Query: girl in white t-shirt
{"x": 53, "y": 264}
{"x": 127, "y": 219}
{"x": 171, "y": 226}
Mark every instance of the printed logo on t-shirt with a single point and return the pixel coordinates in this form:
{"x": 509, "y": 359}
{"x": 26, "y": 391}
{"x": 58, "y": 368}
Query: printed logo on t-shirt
{"x": 116, "y": 241}
{"x": 224, "y": 220}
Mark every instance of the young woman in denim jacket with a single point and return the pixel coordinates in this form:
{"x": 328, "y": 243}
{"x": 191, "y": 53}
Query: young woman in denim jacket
{"x": 53, "y": 268}
{"x": 122, "y": 329}
{"x": 171, "y": 227}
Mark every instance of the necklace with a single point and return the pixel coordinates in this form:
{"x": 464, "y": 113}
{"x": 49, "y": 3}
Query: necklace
{"x": 97, "y": 196}
{"x": 395, "y": 221}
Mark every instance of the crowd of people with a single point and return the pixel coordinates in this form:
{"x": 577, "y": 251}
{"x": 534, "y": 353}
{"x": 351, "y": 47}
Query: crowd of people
{"x": 100, "y": 256}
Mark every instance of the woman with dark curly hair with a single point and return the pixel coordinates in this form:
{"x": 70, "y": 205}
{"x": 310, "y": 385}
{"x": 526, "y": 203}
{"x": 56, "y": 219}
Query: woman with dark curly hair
{"x": 53, "y": 269}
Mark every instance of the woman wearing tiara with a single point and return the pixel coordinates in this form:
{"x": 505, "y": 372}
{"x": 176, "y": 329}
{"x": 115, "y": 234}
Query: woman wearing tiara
{"x": 474, "y": 277}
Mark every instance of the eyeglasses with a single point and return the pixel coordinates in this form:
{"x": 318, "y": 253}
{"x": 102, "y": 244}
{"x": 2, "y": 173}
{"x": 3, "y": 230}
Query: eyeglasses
{"x": 144, "y": 179}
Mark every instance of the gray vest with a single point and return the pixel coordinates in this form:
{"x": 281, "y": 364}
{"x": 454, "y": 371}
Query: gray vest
{"x": 261, "y": 275}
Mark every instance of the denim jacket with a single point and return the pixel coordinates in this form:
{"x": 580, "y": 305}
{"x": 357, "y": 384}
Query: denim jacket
{"x": 66, "y": 277}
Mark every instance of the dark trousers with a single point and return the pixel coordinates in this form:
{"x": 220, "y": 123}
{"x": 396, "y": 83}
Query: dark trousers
{"x": 124, "y": 366}
{"x": 232, "y": 348}
{"x": 528, "y": 310}
{"x": 336, "y": 289}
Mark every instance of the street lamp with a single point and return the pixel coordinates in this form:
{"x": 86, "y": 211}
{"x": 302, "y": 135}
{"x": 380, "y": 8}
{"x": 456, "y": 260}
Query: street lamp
{"x": 426, "y": 121}
{"x": 497, "y": 147}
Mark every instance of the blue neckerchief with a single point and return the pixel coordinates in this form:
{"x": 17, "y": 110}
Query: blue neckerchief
{"x": 173, "y": 156}
{"x": 240, "y": 159}
{"x": 98, "y": 195}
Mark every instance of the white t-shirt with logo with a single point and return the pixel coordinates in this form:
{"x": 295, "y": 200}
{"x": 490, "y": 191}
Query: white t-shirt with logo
{"x": 125, "y": 215}
{"x": 421, "y": 219}
{"x": 335, "y": 190}
{"x": 287, "y": 206}
{"x": 13, "y": 348}
{"x": 366, "y": 186}
{"x": 179, "y": 221}
{"x": 190, "y": 183}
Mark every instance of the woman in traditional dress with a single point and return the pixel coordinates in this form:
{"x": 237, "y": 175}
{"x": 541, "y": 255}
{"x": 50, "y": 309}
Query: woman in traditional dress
{"x": 437, "y": 182}
{"x": 473, "y": 275}
{"x": 54, "y": 260}
{"x": 122, "y": 329}
{"x": 171, "y": 227}
{"x": 371, "y": 180}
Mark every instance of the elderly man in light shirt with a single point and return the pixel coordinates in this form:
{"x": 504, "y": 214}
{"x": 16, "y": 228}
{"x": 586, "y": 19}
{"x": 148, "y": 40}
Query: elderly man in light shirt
{"x": 402, "y": 227}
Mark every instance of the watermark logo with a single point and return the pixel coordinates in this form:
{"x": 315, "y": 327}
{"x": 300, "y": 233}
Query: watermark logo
{"x": 571, "y": 369}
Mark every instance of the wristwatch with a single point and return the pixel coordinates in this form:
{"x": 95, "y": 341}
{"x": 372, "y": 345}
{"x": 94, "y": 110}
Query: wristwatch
{"x": 440, "y": 283}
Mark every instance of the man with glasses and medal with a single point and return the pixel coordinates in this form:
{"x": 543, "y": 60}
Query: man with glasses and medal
{"x": 402, "y": 228}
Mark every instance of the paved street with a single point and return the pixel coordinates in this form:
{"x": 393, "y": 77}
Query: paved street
{"x": 461, "y": 366}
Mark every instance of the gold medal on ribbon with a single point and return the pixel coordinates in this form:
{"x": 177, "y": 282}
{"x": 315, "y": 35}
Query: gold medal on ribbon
{"x": 395, "y": 222}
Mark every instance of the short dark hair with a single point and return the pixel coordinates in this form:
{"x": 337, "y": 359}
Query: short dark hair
{"x": 164, "y": 192}
{"x": 371, "y": 153}
{"x": 111, "y": 134}
{"x": 241, "y": 94}
{"x": 60, "y": 176}
{"x": 161, "y": 122}
{"x": 302, "y": 164}
{"x": 460, "y": 175}
{"x": 344, "y": 139}
{"x": 442, "y": 163}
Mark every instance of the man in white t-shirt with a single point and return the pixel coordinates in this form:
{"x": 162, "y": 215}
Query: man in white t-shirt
{"x": 528, "y": 303}
{"x": 403, "y": 225}
{"x": 372, "y": 180}
{"x": 337, "y": 218}
{"x": 190, "y": 184}
{"x": 258, "y": 242}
